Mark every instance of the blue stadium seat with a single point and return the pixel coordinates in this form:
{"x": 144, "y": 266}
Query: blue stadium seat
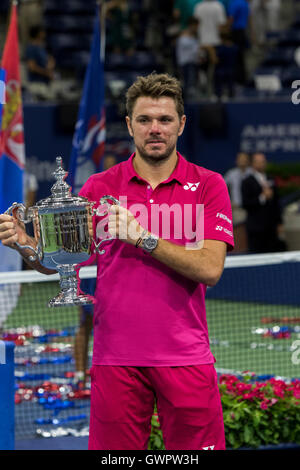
{"x": 77, "y": 60}
{"x": 290, "y": 38}
{"x": 280, "y": 56}
{"x": 63, "y": 23}
{"x": 289, "y": 75}
{"x": 76, "y": 6}
{"x": 58, "y": 41}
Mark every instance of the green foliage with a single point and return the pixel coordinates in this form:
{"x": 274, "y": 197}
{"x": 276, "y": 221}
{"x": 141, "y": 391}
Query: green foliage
{"x": 286, "y": 176}
{"x": 255, "y": 413}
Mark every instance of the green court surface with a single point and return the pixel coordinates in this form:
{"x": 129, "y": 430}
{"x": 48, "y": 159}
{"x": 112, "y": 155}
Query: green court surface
{"x": 237, "y": 348}
{"x": 230, "y": 325}
{"x": 32, "y": 308}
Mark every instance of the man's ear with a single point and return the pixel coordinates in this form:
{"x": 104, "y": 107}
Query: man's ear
{"x": 128, "y": 122}
{"x": 182, "y": 124}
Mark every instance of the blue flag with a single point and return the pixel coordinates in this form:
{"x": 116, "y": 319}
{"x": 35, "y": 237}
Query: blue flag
{"x": 89, "y": 136}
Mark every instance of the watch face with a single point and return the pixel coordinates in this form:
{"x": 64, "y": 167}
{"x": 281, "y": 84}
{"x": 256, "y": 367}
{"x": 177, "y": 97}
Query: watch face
{"x": 150, "y": 243}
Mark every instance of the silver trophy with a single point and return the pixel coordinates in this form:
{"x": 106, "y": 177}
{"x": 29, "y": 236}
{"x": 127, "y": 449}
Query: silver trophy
{"x": 61, "y": 229}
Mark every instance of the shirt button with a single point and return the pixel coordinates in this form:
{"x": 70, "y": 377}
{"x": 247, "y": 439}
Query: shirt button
{"x": 151, "y": 200}
{"x": 149, "y": 187}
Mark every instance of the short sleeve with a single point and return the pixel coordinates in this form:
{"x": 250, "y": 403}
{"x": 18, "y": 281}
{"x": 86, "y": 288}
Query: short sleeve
{"x": 222, "y": 14}
{"x": 87, "y": 189}
{"x": 217, "y": 211}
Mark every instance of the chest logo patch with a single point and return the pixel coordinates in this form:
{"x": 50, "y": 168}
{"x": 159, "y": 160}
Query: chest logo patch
{"x": 191, "y": 186}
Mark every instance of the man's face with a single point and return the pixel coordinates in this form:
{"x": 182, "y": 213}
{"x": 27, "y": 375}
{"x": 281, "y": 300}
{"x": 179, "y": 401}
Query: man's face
{"x": 155, "y": 127}
{"x": 242, "y": 160}
{"x": 259, "y": 162}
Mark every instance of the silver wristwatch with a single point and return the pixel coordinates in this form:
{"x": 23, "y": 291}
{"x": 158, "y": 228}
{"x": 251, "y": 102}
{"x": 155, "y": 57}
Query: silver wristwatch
{"x": 149, "y": 243}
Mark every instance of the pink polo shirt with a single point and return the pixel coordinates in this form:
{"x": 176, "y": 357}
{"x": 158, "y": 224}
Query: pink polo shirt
{"x": 146, "y": 314}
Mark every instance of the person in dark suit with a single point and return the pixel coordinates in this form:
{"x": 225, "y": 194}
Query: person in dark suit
{"x": 261, "y": 201}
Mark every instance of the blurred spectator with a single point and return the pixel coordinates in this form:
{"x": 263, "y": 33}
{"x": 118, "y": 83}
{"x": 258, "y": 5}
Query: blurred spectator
{"x": 30, "y": 14}
{"x": 273, "y": 8}
{"x": 183, "y": 10}
{"x": 226, "y": 61}
{"x": 238, "y": 20}
{"x": 211, "y": 16}
{"x": 265, "y": 17}
{"x": 258, "y": 14}
{"x": 30, "y": 188}
{"x": 261, "y": 201}
{"x": 187, "y": 57}
{"x": 233, "y": 179}
{"x": 120, "y": 27}
{"x": 40, "y": 65}
{"x": 235, "y": 176}
{"x": 41, "y": 79}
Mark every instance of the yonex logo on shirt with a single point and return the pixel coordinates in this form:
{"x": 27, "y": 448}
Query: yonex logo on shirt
{"x": 208, "y": 448}
{"x": 223, "y": 229}
{"x": 191, "y": 186}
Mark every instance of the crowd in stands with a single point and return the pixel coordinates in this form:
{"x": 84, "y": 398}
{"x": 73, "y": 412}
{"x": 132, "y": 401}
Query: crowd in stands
{"x": 204, "y": 42}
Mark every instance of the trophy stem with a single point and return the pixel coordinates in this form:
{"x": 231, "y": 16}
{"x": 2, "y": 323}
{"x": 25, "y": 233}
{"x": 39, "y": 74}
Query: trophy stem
{"x": 69, "y": 285}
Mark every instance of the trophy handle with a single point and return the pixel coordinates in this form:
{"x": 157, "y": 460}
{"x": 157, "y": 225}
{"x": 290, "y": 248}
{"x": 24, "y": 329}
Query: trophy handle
{"x": 103, "y": 200}
{"x": 22, "y": 217}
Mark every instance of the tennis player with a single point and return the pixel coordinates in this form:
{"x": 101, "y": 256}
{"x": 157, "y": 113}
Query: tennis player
{"x": 150, "y": 332}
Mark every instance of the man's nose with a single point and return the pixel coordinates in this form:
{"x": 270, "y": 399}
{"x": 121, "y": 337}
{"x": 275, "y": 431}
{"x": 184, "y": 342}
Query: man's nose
{"x": 155, "y": 127}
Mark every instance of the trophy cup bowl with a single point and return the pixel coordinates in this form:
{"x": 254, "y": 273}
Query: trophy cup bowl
{"x": 61, "y": 230}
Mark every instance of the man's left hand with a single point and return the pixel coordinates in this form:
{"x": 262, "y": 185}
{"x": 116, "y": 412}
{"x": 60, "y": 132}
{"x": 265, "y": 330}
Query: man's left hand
{"x": 123, "y": 225}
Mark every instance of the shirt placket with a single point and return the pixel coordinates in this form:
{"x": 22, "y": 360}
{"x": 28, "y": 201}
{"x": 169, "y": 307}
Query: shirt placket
{"x": 150, "y": 199}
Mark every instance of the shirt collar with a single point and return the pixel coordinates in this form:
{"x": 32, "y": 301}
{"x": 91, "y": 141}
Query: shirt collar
{"x": 179, "y": 173}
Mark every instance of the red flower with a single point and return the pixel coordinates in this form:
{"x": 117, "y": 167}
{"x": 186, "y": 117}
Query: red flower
{"x": 278, "y": 392}
{"x": 264, "y": 405}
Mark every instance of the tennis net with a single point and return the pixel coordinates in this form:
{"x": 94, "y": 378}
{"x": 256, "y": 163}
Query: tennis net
{"x": 253, "y": 317}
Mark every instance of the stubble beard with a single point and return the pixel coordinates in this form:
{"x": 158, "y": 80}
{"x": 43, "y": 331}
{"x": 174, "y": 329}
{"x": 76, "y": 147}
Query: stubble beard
{"x": 155, "y": 159}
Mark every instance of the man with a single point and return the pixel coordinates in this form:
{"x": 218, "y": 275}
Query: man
{"x": 239, "y": 19}
{"x": 188, "y": 58}
{"x": 183, "y": 10}
{"x": 211, "y": 15}
{"x": 233, "y": 179}
{"x": 150, "y": 330}
{"x": 40, "y": 65}
{"x": 235, "y": 176}
{"x": 260, "y": 199}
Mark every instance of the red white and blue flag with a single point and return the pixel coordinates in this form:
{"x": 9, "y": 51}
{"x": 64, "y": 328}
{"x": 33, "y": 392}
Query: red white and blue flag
{"x": 89, "y": 136}
{"x": 12, "y": 150}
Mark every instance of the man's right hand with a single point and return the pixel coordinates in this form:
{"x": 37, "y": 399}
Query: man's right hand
{"x": 12, "y": 231}
{"x": 268, "y": 193}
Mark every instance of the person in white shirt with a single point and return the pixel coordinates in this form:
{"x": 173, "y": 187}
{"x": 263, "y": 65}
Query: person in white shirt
{"x": 233, "y": 179}
{"x": 188, "y": 57}
{"x": 211, "y": 15}
{"x": 235, "y": 176}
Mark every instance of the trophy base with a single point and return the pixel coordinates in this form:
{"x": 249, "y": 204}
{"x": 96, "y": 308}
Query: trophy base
{"x": 67, "y": 299}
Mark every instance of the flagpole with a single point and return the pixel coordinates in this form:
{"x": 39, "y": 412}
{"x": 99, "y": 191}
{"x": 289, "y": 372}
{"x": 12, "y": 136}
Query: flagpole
{"x": 102, "y": 21}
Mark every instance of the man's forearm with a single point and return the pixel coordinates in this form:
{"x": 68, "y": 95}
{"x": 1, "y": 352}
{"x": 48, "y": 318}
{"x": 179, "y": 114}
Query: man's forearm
{"x": 198, "y": 265}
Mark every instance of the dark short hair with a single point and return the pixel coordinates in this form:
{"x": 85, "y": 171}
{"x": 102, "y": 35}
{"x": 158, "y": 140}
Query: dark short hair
{"x": 35, "y": 30}
{"x": 155, "y": 86}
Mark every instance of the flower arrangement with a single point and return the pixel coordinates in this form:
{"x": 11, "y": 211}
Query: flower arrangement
{"x": 255, "y": 413}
